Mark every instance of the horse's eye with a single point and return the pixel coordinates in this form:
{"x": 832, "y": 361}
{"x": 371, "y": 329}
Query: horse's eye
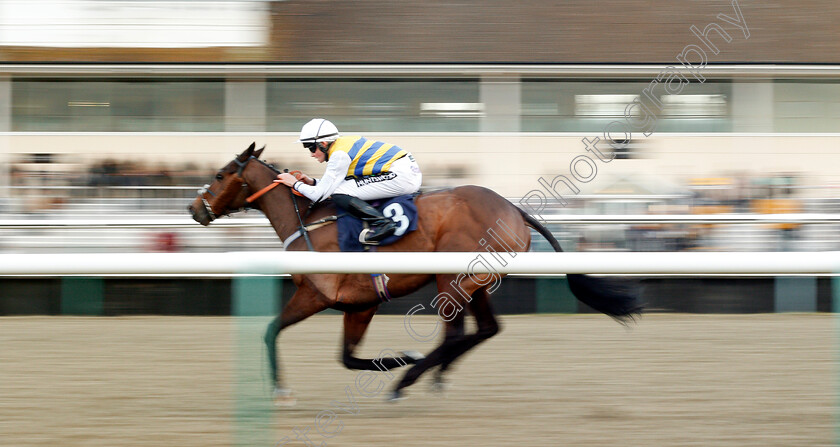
{"x": 219, "y": 176}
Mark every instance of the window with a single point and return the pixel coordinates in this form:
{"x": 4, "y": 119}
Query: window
{"x": 806, "y": 106}
{"x": 376, "y": 105}
{"x": 571, "y": 105}
{"x": 72, "y": 105}
{"x": 602, "y": 105}
{"x": 698, "y": 106}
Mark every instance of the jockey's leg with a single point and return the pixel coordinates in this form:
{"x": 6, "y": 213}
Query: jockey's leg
{"x": 403, "y": 178}
{"x": 380, "y": 226}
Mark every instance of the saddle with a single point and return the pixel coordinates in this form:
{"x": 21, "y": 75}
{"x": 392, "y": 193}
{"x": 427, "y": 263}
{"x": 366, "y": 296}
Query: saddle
{"x": 400, "y": 209}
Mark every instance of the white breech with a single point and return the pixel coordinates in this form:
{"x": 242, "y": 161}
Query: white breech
{"x": 404, "y": 177}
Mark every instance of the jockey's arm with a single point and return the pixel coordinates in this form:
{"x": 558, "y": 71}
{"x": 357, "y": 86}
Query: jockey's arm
{"x": 306, "y": 179}
{"x": 333, "y": 176}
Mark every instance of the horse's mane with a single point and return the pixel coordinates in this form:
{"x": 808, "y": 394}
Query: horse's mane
{"x": 268, "y": 165}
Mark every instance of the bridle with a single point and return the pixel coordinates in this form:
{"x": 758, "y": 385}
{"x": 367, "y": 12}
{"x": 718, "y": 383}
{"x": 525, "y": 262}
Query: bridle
{"x": 207, "y": 207}
{"x": 206, "y": 190}
{"x": 303, "y": 229}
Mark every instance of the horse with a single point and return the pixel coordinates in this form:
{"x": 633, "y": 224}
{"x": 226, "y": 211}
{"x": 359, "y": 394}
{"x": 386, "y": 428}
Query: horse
{"x": 450, "y": 220}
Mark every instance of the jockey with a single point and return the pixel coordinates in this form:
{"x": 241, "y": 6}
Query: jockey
{"x": 358, "y": 170}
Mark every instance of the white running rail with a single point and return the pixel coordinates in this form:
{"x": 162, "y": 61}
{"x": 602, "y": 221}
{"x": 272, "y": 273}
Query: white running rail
{"x": 272, "y": 263}
{"x": 185, "y": 221}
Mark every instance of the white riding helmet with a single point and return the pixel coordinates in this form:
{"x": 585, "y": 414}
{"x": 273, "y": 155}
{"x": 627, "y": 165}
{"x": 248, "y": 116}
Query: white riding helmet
{"x": 318, "y": 130}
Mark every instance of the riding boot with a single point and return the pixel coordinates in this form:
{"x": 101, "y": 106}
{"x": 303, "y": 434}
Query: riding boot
{"x": 380, "y": 226}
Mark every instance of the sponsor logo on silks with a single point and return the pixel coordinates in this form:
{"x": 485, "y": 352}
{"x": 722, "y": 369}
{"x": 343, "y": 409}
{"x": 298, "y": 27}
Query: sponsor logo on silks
{"x": 375, "y": 179}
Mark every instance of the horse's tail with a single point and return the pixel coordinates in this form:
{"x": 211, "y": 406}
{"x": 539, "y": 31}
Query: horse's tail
{"x": 616, "y": 297}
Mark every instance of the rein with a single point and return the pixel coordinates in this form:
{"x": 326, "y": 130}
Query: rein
{"x": 268, "y": 188}
{"x": 302, "y": 227}
{"x": 307, "y": 228}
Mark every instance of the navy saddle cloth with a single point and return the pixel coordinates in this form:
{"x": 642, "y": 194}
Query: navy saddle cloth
{"x": 400, "y": 209}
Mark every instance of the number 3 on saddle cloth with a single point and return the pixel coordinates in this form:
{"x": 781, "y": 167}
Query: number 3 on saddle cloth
{"x": 400, "y": 209}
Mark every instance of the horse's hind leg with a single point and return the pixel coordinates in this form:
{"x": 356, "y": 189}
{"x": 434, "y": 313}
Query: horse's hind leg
{"x": 452, "y": 347}
{"x": 355, "y": 326}
{"x": 486, "y": 321}
{"x": 454, "y": 331}
{"x": 304, "y": 303}
{"x": 434, "y": 358}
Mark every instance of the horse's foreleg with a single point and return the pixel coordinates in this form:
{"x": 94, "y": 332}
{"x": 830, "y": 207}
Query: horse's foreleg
{"x": 355, "y": 326}
{"x": 304, "y": 303}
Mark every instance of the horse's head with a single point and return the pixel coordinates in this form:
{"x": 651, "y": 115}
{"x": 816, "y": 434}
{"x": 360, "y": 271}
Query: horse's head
{"x": 228, "y": 191}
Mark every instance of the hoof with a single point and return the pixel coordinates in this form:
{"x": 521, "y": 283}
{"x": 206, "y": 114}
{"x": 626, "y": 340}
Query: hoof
{"x": 413, "y": 355}
{"x": 283, "y": 397}
{"x": 395, "y": 396}
{"x": 439, "y": 386}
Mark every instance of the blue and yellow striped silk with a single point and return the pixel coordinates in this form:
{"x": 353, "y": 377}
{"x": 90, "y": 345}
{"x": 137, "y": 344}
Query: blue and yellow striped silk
{"x": 367, "y": 157}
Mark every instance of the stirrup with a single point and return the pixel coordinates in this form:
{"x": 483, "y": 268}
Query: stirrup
{"x": 363, "y": 238}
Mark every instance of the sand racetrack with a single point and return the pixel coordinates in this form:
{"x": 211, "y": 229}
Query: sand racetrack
{"x": 570, "y": 380}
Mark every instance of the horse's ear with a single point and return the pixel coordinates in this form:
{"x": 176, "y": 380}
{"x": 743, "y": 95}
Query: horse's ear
{"x": 259, "y": 152}
{"x": 248, "y": 152}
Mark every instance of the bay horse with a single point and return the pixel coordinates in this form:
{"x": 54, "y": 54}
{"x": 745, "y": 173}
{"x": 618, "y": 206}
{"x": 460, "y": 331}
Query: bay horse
{"x": 453, "y": 220}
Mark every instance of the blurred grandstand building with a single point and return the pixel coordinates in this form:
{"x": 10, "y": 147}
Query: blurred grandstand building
{"x": 120, "y": 108}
